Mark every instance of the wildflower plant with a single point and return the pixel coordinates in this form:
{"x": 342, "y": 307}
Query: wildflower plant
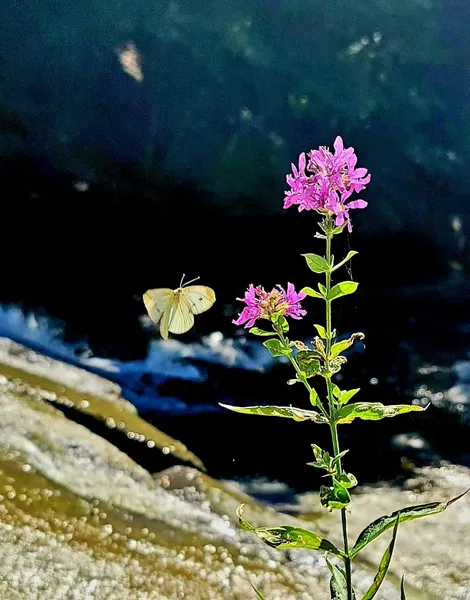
{"x": 324, "y": 182}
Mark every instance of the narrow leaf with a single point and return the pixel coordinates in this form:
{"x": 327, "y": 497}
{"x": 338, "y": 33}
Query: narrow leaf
{"x": 402, "y": 589}
{"x": 380, "y": 525}
{"x": 373, "y": 411}
{"x": 346, "y": 395}
{"x": 342, "y": 289}
{"x": 314, "y": 400}
{"x": 284, "y": 537}
{"x": 288, "y": 412}
{"x": 339, "y": 457}
{"x": 321, "y": 331}
{"x": 383, "y": 567}
{"x": 281, "y": 321}
{"x": 257, "y": 592}
{"x": 338, "y": 583}
{"x": 322, "y": 289}
{"x": 316, "y": 263}
{"x": 261, "y": 332}
{"x": 339, "y": 229}
{"x": 351, "y": 253}
{"x": 345, "y": 344}
{"x": 311, "y": 293}
{"x": 276, "y": 348}
{"x": 336, "y": 391}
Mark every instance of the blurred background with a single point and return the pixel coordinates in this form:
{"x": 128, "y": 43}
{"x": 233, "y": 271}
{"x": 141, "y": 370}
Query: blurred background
{"x": 140, "y": 141}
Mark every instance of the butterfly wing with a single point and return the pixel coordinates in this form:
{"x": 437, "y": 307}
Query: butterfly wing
{"x": 165, "y": 322}
{"x": 199, "y": 297}
{"x": 157, "y": 302}
{"x": 181, "y": 318}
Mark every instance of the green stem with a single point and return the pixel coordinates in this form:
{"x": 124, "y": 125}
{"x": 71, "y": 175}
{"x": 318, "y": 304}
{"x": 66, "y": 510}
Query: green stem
{"x": 332, "y": 410}
{"x": 299, "y": 372}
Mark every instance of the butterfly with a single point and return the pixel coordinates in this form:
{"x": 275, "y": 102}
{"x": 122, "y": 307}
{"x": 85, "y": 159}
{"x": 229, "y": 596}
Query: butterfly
{"x": 175, "y": 309}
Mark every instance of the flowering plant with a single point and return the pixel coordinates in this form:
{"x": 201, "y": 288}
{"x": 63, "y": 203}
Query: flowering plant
{"x": 324, "y": 182}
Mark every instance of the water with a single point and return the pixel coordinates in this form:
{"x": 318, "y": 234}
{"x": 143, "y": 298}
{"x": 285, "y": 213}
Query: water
{"x": 141, "y": 379}
{"x": 178, "y": 386}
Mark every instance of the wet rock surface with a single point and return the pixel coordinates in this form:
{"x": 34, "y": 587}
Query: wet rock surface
{"x": 433, "y": 552}
{"x": 80, "y": 519}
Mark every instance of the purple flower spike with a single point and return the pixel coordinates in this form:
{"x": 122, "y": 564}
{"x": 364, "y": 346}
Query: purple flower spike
{"x": 327, "y": 181}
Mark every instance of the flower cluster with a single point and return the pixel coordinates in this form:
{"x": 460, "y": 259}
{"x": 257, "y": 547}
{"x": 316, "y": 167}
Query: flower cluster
{"x": 265, "y": 305}
{"x": 328, "y": 183}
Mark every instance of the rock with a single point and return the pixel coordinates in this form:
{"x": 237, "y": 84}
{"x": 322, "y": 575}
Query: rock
{"x": 74, "y": 388}
{"x": 431, "y": 552}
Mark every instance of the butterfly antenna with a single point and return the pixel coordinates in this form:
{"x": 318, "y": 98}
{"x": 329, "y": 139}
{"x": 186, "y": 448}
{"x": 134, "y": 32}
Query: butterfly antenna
{"x": 192, "y": 280}
{"x": 182, "y": 279}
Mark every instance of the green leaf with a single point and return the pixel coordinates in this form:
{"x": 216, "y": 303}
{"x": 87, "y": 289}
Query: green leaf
{"x": 339, "y": 229}
{"x": 311, "y": 293}
{"x": 316, "y": 263}
{"x": 281, "y": 321}
{"x": 288, "y": 412}
{"x": 257, "y": 592}
{"x": 380, "y": 525}
{"x": 314, "y": 400}
{"x": 276, "y": 348}
{"x": 322, "y": 289}
{"x": 322, "y": 457}
{"x": 321, "y": 331}
{"x": 308, "y": 362}
{"x": 338, "y": 583}
{"x": 335, "y": 497}
{"x": 261, "y": 332}
{"x": 351, "y": 253}
{"x": 373, "y": 411}
{"x": 285, "y": 536}
{"x": 339, "y": 457}
{"x": 383, "y": 567}
{"x": 345, "y": 344}
{"x": 342, "y": 289}
{"x": 336, "y": 391}
{"x": 348, "y": 480}
{"x": 402, "y": 589}
{"x": 346, "y": 395}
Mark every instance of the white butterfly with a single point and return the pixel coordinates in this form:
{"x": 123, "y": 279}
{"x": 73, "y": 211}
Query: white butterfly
{"x": 175, "y": 309}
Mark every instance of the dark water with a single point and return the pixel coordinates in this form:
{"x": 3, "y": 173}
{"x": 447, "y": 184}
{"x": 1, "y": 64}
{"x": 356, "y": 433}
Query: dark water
{"x": 141, "y": 142}
{"x": 414, "y": 339}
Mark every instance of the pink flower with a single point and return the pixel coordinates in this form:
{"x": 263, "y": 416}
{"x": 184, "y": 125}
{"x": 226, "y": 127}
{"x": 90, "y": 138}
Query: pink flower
{"x": 342, "y": 212}
{"x": 330, "y": 181}
{"x": 263, "y": 305}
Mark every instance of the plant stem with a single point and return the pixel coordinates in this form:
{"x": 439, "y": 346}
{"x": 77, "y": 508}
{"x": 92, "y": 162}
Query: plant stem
{"x": 299, "y": 372}
{"x": 332, "y": 410}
